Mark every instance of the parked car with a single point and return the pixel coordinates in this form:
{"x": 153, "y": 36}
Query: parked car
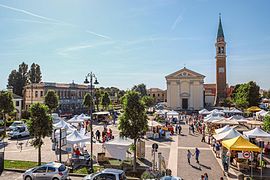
{"x": 107, "y": 174}
{"x": 15, "y": 124}
{"x": 18, "y": 132}
{"x": 50, "y": 171}
{"x": 170, "y": 178}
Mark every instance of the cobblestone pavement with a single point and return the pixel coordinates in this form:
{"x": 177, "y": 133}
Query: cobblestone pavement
{"x": 9, "y": 175}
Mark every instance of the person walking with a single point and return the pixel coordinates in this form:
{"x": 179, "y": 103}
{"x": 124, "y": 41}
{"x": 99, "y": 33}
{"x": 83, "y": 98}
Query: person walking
{"x": 189, "y": 156}
{"x": 205, "y": 176}
{"x": 98, "y": 135}
{"x": 217, "y": 148}
{"x": 179, "y": 129}
{"x": 193, "y": 128}
{"x": 197, "y": 155}
{"x": 203, "y": 137}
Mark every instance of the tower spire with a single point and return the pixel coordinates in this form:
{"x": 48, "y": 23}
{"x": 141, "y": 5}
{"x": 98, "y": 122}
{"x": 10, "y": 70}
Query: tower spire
{"x": 220, "y": 33}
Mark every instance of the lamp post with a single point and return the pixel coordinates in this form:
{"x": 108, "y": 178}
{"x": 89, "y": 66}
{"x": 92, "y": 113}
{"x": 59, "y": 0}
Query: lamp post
{"x": 91, "y": 76}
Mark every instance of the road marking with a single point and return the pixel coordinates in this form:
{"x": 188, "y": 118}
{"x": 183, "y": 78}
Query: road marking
{"x": 173, "y": 157}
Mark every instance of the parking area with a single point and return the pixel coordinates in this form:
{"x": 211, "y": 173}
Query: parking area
{"x": 10, "y": 175}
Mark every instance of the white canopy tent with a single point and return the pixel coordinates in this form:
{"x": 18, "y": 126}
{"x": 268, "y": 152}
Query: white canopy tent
{"x": 236, "y": 111}
{"x": 232, "y": 133}
{"x": 56, "y": 118}
{"x": 117, "y": 148}
{"x": 102, "y": 113}
{"x": 238, "y": 118}
{"x": 226, "y": 121}
{"x": 256, "y": 132}
{"x": 64, "y": 125}
{"x": 212, "y": 118}
{"x": 75, "y": 119}
{"x": 223, "y": 129}
{"x": 204, "y": 112}
{"x": 75, "y": 137}
{"x": 260, "y": 112}
{"x": 83, "y": 116}
{"x": 172, "y": 113}
{"x": 152, "y": 123}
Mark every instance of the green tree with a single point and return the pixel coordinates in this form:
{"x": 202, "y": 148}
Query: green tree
{"x": 133, "y": 122}
{"x": 6, "y": 106}
{"x": 253, "y": 94}
{"x": 35, "y": 74}
{"x": 266, "y": 94}
{"x": 105, "y": 100}
{"x": 18, "y": 79}
{"x": 51, "y": 100}
{"x": 140, "y": 88}
{"x": 148, "y": 101}
{"x": 87, "y": 100}
{"x": 40, "y": 126}
{"x": 97, "y": 98}
{"x": 266, "y": 123}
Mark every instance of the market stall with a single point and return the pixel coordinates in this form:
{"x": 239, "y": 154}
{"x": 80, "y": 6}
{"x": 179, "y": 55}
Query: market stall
{"x": 256, "y": 132}
{"x": 223, "y": 129}
{"x": 103, "y": 116}
{"x": 232, "y": 133}
{"x": 64, "y": 125}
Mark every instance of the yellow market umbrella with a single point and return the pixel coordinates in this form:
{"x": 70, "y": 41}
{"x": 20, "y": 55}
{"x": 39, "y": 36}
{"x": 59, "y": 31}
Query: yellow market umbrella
{"x": 240, "y": 144}
{"x": 253, "y": 109}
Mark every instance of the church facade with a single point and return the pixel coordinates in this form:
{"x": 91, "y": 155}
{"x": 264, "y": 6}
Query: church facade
{"x": 185, "y": 90}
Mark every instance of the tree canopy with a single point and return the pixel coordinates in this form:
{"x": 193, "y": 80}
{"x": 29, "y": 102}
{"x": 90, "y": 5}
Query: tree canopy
{"x": 88, "y": 100}
{"x": 40, "y": 126}
{"x": 133, "y": 122}
{"x": 148, "y": 101}
{"x": 52, "y": 100}
{"x": 266, "y": 123}
{"x": 105, "y": 100}
{"x": 35, "y": 73}
{"x": 140, "y": 88}
{"x": 246, "y": 95}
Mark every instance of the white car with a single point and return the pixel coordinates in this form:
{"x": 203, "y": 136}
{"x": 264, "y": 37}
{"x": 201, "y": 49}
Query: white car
{"x": 18, "y": 132}
{"x": 170, "y": 178}
{"x": 107, "y": 174}
{"x": 15, "y": 124}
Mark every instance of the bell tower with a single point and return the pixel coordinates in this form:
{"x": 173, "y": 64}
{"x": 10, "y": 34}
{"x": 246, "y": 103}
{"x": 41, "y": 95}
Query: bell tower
{"x": 221, "y": 83}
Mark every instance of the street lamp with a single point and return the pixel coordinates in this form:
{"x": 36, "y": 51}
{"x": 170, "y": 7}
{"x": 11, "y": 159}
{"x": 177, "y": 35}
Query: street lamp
{"x": 91, "y": 75}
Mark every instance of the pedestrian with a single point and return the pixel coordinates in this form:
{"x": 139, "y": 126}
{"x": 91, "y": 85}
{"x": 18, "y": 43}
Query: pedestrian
{"x": 176, "y": 128}
{"x": 217, "y": 150}
{"x": 189, "y": 156}
{"x": 197, "y": 155}
{"x": 192, "y": 128}
{"x": 205, "y": 176}
{"x": 98, "y": 135}
{"x": 180, "y": 129}
{"x": 202, "y": 177}
{"x": 203, "y": 137}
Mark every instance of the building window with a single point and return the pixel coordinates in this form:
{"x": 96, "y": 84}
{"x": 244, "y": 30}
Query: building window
{"x": 36, "y": 94}
{"x": 41, "y": 93}
{"x": 17, "y": 103}
{"x": 158, "y": 95}
{"x": 154, "y": 95}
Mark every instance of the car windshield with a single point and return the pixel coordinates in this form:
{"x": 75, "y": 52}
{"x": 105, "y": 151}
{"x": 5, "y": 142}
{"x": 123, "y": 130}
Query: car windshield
{"x": 62, "y": 168}
{"x": 16, "y": 123}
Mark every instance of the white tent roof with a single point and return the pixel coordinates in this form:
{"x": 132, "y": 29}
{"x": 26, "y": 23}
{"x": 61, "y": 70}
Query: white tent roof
{"x": 204, "y": 111}
{"x": 83, "y": 116}
{"x": 172, "y": 113}
{"x": 256, "y": 132}
{"x": 75, "y": 137}
{"x": 118, "y": 147}
{"x": 102, "y": 113}
{"x": 153, "y": 123}
{"x": 213, "y": 118}
{"x": 223, "y": 129}
{"x": 226, "y": 121}
{"x": 260, "y": 112}
{"x": 64, "y": 125}
{"x": 266, "y": 113}
{"x": 236, "y": 111}
{"x": 75, "y": 119}
{"x": 232, "y": 133}
{"x": 238, "y": 118}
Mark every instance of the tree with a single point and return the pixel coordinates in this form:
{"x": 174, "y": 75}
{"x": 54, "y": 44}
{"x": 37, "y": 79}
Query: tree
{"x": 133, "y": 122}
{"x": 35, "y": 74}
{"x": 18, "y": 79}
{"x": 6, "y": 106}
{"x": 40, "y": 126}
{"x": 97, "y": 98}
{"x": 105, "y": 100}
{"x": 246, "y": 95}
{"x": 140, "y": 88}
{"x": 52, "y": 100}
{"x": 266, "y": 123}
{"x": 266, "y": 94}
{"x": 87, "y": 100}
{"x": 148, "y": 101}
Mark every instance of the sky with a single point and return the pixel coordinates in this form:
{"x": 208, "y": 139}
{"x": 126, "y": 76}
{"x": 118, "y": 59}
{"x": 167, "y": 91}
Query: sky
{"x": 130, "y": 42}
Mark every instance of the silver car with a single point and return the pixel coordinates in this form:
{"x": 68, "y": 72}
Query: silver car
{"x": 50, "y": 171}
{"x": 107, "y": 174}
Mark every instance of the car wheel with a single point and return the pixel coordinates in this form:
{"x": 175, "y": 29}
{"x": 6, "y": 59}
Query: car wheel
{"x": 55, "y": 179}
{"x": 27, "y": 178}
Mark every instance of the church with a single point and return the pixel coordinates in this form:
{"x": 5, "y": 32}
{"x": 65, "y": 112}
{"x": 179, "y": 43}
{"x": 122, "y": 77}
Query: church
{"x": 186, "y": 89}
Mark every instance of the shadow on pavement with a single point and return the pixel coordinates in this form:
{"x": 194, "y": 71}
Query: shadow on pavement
{"x": 195, "y": 167}
{"x": 204, "y": 166}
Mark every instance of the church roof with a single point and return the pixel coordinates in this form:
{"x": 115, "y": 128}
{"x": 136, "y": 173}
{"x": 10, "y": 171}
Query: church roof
{"x": 220, "y": 29}
{"x": 184, "y": 72}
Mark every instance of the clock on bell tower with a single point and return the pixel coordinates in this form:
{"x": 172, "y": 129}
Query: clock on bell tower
{"x": 221, "y": 83}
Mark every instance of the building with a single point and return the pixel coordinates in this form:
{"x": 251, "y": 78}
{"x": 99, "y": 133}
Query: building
{"x": 159, "y": 95}
{"x": 17, "y": 102}
{"x": 185, "y": 90}
{"x": 221, "y": 82}
{"x": 209, "y": 94}
{"x": 70, "y": 96}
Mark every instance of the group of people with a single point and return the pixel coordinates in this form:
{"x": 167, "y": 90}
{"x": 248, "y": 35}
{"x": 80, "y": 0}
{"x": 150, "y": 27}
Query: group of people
{"x": 105, "y": 135}
{"x": 196, "y": 153}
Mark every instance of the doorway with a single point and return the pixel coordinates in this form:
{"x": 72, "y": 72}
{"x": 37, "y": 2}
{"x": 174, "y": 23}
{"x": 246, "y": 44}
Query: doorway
{"x": 184, "y": 103}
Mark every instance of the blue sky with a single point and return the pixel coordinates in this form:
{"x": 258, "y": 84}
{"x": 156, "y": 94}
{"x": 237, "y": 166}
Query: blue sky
{"x": 129, "y": 42}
